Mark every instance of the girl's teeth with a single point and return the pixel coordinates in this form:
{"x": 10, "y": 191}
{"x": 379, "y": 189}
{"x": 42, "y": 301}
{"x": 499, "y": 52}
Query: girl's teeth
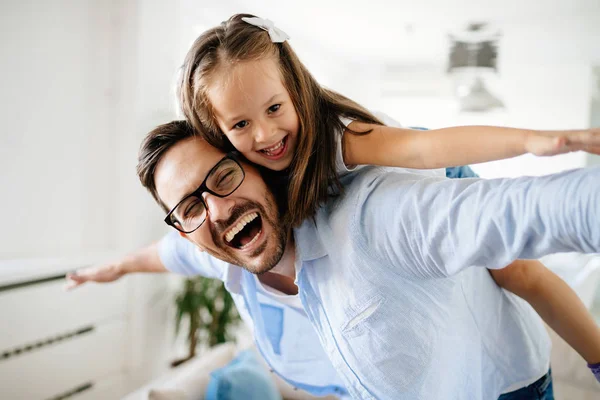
{"x": 274, "y": 149}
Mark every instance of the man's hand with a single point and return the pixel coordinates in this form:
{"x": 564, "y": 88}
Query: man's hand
{"x": 550, "y": 143}
{"x": 98, "y": 273}
{"x": 145, "y": 259}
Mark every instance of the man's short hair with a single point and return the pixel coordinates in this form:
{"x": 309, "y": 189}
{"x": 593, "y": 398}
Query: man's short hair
{"x": 156, "y": 143}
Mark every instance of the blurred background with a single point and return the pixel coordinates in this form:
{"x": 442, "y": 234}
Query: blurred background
{"x": 83, "y": 81}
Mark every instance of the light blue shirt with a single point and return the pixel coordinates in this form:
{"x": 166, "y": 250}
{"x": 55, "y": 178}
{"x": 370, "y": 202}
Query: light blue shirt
{"x": 383, "y": 275}
{"x": 285, "y": 337}
{"x": 283, "y": 334}
{"x": 384, "y": 281}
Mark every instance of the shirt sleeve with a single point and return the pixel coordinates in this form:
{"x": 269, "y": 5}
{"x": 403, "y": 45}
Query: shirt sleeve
{"x": 343, "y": 169}
{"x": 181, "y": 256}
{"x": 437, "y": 227}
{"x": 340, "y": 165}
{"x": 387, "y": 120}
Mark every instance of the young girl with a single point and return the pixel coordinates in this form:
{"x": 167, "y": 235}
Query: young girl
{"x": 243, "y": 87}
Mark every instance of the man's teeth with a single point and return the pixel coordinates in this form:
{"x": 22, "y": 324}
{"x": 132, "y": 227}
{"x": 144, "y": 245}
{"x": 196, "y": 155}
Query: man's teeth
{"x": 273, "y": 149}
{"x": 239, "y": 226}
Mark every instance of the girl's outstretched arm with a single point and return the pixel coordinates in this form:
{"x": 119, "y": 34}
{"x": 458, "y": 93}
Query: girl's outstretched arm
{"x": 449, "y": 147}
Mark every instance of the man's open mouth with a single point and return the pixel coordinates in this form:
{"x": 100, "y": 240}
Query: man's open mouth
{"x": 244, "y": 232}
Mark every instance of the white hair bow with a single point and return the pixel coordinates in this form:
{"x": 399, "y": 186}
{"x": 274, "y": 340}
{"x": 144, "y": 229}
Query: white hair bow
{"x": 276, "y": 34}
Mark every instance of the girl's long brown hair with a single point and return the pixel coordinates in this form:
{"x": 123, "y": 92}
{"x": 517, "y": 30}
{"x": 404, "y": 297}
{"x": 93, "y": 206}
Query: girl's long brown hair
{"x": 312, "y": 173}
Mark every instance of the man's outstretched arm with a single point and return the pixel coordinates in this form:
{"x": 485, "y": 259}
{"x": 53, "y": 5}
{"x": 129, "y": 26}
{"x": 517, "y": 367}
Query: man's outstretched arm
{"x": 437, "y": 227}
{"x": 145, "y": 259}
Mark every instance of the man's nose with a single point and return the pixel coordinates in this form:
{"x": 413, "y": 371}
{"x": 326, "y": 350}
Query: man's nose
{"x": 219, "y": 208}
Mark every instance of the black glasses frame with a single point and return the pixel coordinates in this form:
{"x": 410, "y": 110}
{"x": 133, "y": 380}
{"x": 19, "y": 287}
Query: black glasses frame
{"x": 203, "y": 188}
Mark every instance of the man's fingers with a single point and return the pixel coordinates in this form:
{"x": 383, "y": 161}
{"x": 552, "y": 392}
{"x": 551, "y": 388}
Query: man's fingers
{"x": 71, "y": 284}
{"x": 77, "y": 277}
{"x": 89, "y": 273}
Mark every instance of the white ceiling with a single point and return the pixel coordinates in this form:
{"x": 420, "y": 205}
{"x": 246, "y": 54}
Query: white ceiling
{"x": 411, "y": 30}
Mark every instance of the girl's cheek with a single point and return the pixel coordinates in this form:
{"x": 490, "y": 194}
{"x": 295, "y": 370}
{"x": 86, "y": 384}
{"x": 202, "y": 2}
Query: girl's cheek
{"x": 241, "y": 145}
{"x": 256, "y": 159}
{"x": 244, "y": 147}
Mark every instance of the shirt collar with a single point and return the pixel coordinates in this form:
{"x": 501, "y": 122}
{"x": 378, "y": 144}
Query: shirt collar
{"x": 308, "y": 242}
{"x": 308, "y": 248}
{"x": 233, "y": 279}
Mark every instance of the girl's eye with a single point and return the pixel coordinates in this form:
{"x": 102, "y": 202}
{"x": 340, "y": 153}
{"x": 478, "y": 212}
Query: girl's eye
{"x": 240, "y": 125}
{"x": 274, "y": 108}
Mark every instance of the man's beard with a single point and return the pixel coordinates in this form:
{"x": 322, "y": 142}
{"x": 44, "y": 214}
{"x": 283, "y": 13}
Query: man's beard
{"x": 270, "y": 216}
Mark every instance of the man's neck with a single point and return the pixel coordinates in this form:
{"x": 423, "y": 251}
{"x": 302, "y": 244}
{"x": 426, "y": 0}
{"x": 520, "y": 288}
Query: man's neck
{"x": 286, "y": 266}
{"x": 283, "y": 275}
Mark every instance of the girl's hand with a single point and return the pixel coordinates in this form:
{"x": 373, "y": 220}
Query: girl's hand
{"x": 550, "y": 143}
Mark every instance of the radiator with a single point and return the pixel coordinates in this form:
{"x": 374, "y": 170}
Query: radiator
{"x": 56, "y": 344}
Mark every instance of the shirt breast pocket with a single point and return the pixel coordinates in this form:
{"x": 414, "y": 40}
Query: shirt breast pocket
{"x": 360, "y": 314}
{"x": 389, "y": 342}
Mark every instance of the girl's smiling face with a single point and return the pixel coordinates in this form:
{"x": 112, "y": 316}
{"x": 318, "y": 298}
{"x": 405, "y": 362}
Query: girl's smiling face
{"x": 254, "y": 110}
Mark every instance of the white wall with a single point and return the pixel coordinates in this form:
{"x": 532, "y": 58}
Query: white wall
{"x": 545, "y": 80}
{"x": 146, "y": 64}
{"x": 536, "y": 97}
{"x": 57, "y": 147}
{"x": 82, "y": 83}
{"x": 146, "y": 60}
{"x": 353, "y": 78}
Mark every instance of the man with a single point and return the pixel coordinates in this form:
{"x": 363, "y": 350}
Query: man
{"x": 380, "y": 281}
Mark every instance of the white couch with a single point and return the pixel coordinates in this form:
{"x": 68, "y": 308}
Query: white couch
{"x": 190, "y": 380}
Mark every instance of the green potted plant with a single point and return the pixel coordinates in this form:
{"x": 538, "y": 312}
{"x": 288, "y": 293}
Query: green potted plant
{"x": 210, "y": 310}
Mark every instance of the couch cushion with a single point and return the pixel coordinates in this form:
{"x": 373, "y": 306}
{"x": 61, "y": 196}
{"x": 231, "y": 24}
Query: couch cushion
{"x": 243, "y": 378}
{"x": 190, "y": 380}
{"x": 166, "y": 394}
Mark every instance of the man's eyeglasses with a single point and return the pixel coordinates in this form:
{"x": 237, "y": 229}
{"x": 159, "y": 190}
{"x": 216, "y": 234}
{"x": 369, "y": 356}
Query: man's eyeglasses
{"x": 222, "y": 180}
